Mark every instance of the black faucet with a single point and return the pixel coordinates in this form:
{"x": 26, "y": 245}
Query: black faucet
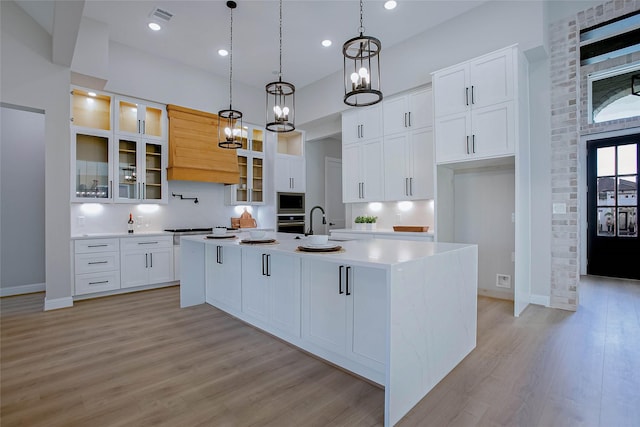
{"x": 324, "y": 219}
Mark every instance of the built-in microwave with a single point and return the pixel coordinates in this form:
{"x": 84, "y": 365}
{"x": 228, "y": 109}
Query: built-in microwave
{"x": 291, "y": 203}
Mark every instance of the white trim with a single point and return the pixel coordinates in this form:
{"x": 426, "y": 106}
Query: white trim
{"x": 543, "y": 300}
{"x": 23, "y": 289}
{"x": 54, "y": 304}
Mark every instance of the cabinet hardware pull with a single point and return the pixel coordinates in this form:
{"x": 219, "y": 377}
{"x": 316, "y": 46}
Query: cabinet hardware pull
{"x": 147, "y": 243}
{"x": 473, "y": 101}
{"x": 110, "y": 188}
{"x": 293, "y": 182}
{"x": 218, "y": 253}
{"x": 98, "y": 262}
{"x": 405, "y": 119}
{"x": 473, "y": 143}
{"x": 151, "y": 256}
{"x": 138, "y": 126}
{"x": 346, "y": 276}
{"x": 144, "y": 126}
{"x": 363, "y": 193}
{"x": 263, "y": 272}
{"x": 269, "y": 265}
{"x": 406, "y": 186}
{"x": 409, "y": 118}
{"x": 96, "y": 246}
{"x": 340, "y": 291}
{"x": 98, "y": 283}
{"x": 146, "y": 260}
{"x": 362, "y": 131}
{"x": 466, "y": 90}
{"x": 467, "y": 144}
{"x": 411, "y": 186}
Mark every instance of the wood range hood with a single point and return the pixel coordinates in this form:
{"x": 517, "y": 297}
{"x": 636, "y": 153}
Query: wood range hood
{"x": 194, "y": 154}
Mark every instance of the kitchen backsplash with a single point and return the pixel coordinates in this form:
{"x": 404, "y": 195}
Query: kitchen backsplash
{"x": 418, "y": 212}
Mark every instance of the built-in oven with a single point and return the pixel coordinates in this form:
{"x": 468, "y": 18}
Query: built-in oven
{"x": 291, "y": 218}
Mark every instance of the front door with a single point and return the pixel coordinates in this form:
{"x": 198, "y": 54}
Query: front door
{"x": 613, "y": 247}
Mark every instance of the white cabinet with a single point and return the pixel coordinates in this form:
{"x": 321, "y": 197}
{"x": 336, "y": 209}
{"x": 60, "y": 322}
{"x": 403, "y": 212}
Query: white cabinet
{"x": 97, "y": 265}
{"x": 135, "y": 117}
{"x": 223, "y": 277}
{"x": 290, "y": 173}
{"x": 345, "y": 311}
{"x": 407, "y": 112}
{"x": 408, "y": 165}
{"x": 271, "y": 289}
{"x": 140, "y": 170}
{"x": 251, "y": 159}
{"x": 359, "y": 124}
{"x": 363, "y": 172}
{"x": 475, "y": 108}
{"x": 146, "y": 260}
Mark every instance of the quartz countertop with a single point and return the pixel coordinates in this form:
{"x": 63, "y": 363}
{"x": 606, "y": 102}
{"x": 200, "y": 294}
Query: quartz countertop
{"x": 118, "y": 235}
{"x": 383, "y": 231}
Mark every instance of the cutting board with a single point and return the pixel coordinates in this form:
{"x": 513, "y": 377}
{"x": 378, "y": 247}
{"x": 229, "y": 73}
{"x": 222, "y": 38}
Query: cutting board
{"x": 413, "y": 228}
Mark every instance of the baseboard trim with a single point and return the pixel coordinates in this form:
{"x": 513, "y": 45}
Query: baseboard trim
{"x": 540, "y": 300}
{"x": 494, "y": 293}
{"x": 21, "y": 290}
{"x": 54, "y": 304}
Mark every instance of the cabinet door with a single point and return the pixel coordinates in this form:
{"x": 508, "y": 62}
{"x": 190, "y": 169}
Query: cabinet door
{"x": 492, "y": 78}
{"x": 257, "y": 180}
{"x": 453, "y": 135}
{"x": 324, "y": 305}
{"x": 351, "y": 183}
{"x": 372, "y": 171}
{"x": 421, "y": 163}
{"x": 92, "y": 166}
{"x": 396, "y": 177}
{"x": 255, "y": 295}
{"x": 493, "y": 131}
{"x": 135, "y": 117}
{"x": 153, "y": 155}
{"x": 350, "y": 127}
{"x": 160, "y": 265}
{"x": 91, "y": 111}
{"x": 242, "y": 188}
{"x": 395, "y": 115}
{"x": 371, "y": 119}
{"x": 367, "y": 316}
{"x": 420, "y": 109}
{"x": 129, "y": 173}
{"x": 134, "y": 266}
{"x": 298, "y": 175}
{"x": 450, "y": 90}
{"x": 290, "y": 173}
{"x": 223, "y": 267}
{"x": 284, "y": 293}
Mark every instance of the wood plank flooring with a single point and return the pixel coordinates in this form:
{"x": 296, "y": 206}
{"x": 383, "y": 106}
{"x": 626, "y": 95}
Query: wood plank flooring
{"x": 138, "y": 359}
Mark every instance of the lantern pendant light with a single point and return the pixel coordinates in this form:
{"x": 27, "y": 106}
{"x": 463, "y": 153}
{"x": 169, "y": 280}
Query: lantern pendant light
{"x": 362, "y": 69}
{"x": 281, "y": 99}
{"x": 230, "y": 131}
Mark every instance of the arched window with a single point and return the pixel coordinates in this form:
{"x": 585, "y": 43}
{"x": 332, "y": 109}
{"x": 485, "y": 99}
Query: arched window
{"x": 610, "y": 94}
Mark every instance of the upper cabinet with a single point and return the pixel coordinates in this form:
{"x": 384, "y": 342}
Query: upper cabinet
{"x": 140, "y": 118}
{"x": 250, "y": 188}
{"x": 475, "y": 108}
{"x": 408, "y": 112}
{"x": 110, "y": 164}
{"x": 360, "y": 124}
{"x": 289, "y": 168}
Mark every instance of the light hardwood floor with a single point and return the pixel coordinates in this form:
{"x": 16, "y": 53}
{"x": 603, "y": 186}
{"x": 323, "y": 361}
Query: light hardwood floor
{"x": 138, "y": 359}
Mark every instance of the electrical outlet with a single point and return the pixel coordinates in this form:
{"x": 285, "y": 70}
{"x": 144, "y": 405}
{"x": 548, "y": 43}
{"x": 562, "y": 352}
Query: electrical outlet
{"x": 80, "y": 221}
{"x": 503, "y": 281}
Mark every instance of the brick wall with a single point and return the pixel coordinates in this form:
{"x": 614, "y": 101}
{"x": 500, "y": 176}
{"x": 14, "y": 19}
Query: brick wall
{"x": 568, "y": 123}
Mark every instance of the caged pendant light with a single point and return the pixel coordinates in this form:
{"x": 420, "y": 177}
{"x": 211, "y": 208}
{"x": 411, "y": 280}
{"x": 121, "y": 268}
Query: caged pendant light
{"x": 362, "y": 69}
{"x": 230, "y": 121}
{"x": 281, "y": 99}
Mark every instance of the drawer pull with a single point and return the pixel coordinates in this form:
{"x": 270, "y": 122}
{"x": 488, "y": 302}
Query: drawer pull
{"x": 98, "y": 283}
{"x": 98, "y": 262}
{"x": 148, "y": 243}
{"x": 97, "y": 246}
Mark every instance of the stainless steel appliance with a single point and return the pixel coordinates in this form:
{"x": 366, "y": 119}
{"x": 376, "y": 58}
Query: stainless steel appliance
{"x": 177, "y": 233}
{"x": 290, "y": 214}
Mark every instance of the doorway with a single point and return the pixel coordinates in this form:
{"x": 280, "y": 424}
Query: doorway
{"x": 333, "y": 193}
{"x": 612, "y": 207}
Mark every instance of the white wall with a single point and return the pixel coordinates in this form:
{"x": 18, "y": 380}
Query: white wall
{"x": 315, "y": 153}
{"x": 22, "y": 200}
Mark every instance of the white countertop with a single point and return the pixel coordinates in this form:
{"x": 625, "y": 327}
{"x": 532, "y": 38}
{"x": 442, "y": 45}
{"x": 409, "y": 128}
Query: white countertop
{"x": 372, "y": 253}
{"x": 118, "y": 235}
{"x": 383, "y": 231}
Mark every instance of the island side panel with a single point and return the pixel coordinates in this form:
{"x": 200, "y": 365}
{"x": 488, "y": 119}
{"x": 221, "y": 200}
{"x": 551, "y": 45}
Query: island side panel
{"x": 192, "y": 273}
{"x": 433, "y": 325}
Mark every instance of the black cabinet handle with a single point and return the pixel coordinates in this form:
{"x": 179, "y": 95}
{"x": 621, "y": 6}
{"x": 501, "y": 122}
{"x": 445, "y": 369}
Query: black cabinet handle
{"x": 147, "y": 243}
{"x": 410, "y": 117}
{"x": 405, "y": 119}
{"x": 98, "y": 283}
{"x": 268, "y": 265}
{"x": 98, "y": 262}
{"x": 346, "y": 276}
{"x": 151, "y": 256}
{"x": 263, "y": 270}
{"x": 219, "y": 254}
{"x": 473, "y": 101}
{"x": 473, "y": 143}
{"x": 340, "y": 279}
{"x": 466, "y": 90}
{"x": 96, "y": 246}
{"x": 146, "y": 260}
{"x": 467, "y": 144}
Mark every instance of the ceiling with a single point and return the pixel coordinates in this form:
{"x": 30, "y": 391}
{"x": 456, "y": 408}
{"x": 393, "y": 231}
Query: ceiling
{"x": 199, "y": 28}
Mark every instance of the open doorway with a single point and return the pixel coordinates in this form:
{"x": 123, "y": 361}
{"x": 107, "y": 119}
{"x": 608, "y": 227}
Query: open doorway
{"x": 612, "y": 207}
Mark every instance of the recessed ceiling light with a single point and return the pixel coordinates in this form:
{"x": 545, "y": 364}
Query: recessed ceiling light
{"x": 326, "y": 43}
{"x": 154, "y": 26}
{"x": 390, "y": 4}
{"x": 223, "y": 52}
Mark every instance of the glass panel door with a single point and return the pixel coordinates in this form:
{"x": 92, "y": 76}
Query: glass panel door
{"x": 92, "y": 166}
{"x": 256, "y": 187}
{"x": 153, "y": 121}
{"x": 612, "y": 236}
{"x": 128, "y": 117}
{"x": 91, "y": 110}
{"x": 128, "y": 186}
{"x": 257, "y": 140}
{"x": 242, "y": 190}
{"x": 153, "y": 178}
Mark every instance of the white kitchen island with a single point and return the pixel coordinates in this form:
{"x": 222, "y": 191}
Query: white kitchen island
{"x": 400, "y": 313}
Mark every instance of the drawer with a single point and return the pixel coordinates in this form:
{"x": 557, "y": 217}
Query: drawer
{"x": 96, "y": 245}
{"x": 97, "y": 282}
{"x": 146, "y": 243}
{"x": 93, "y": 263}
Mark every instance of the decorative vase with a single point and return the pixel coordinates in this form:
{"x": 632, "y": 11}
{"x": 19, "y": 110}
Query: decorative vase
{"x": 370, "y": 226}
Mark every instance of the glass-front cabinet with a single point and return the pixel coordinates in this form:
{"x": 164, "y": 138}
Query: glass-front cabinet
{"x": 250, "y": 188}
{"x": 124, "y": 165}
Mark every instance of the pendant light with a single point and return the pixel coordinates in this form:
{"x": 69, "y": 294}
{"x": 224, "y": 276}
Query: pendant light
{"x": 281, "y": 99}
{"x": 362, "y": 69}
{"x": 230, "y": 130}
